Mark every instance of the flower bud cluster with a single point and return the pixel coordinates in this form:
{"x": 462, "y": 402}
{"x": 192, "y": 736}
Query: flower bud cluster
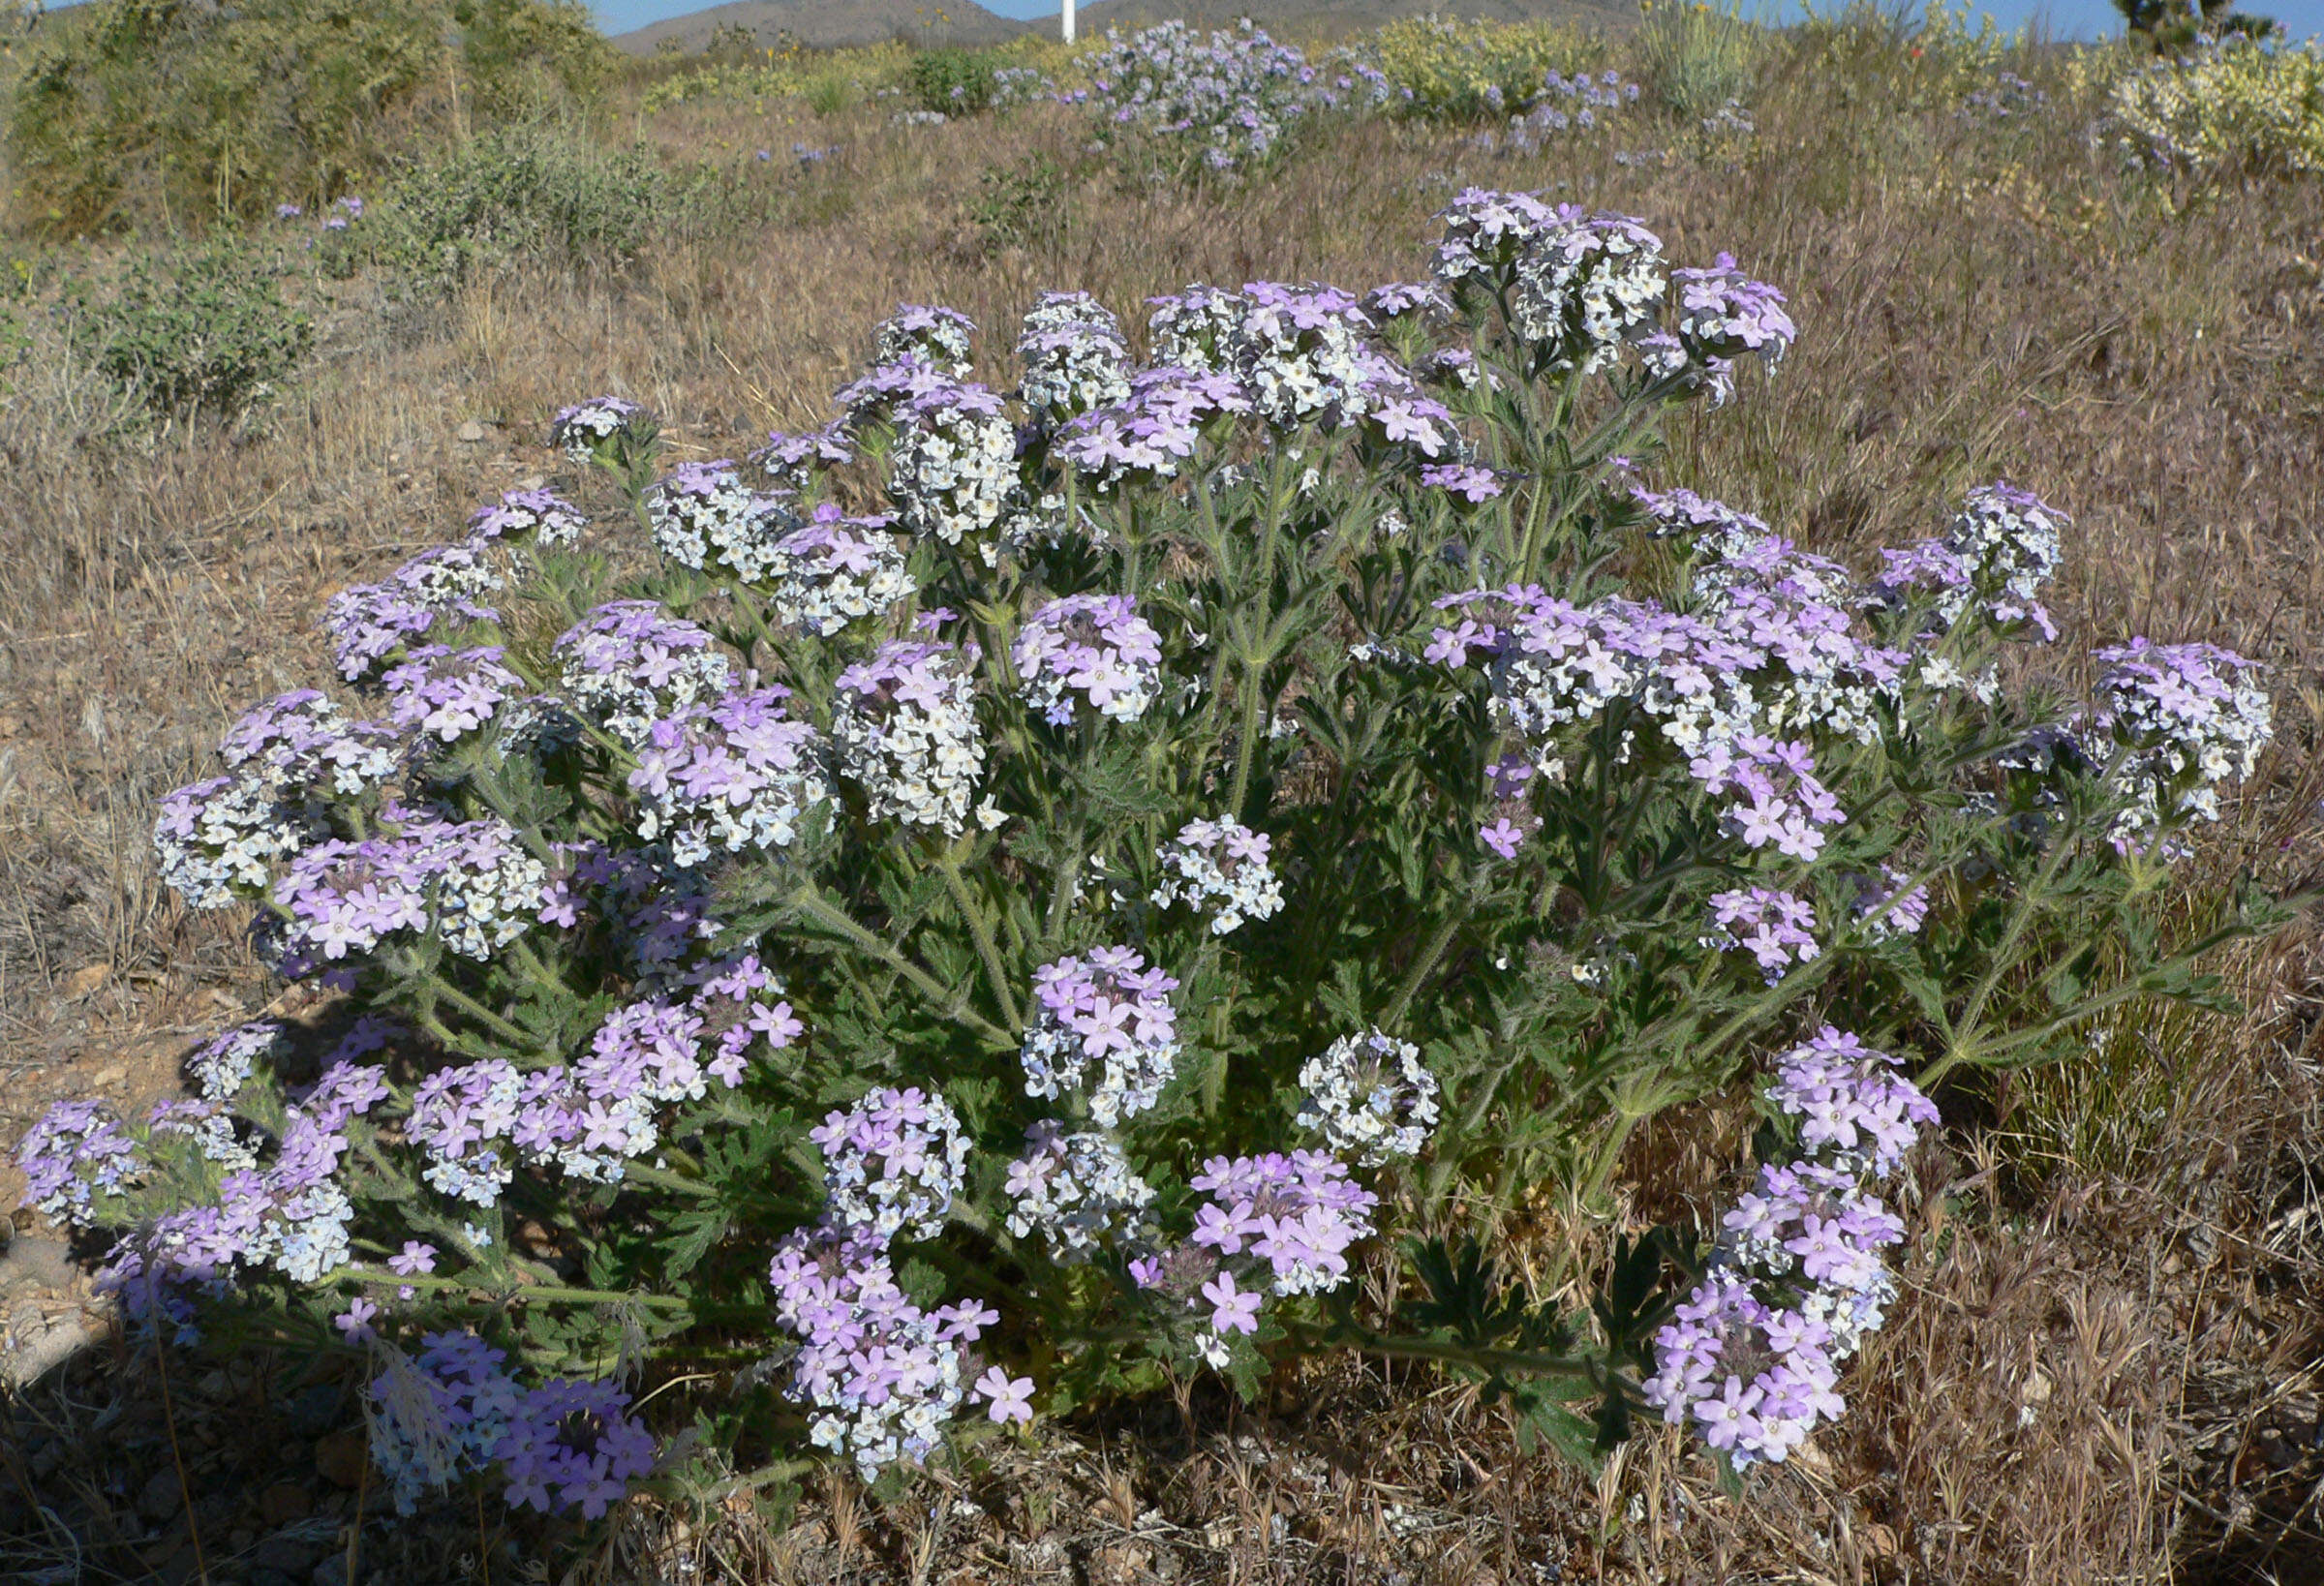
{"x": 703, "y": 516}
{"x": 1075, "y": 1192}
{"x": 904, "y": 732}
{"x": 2183, "y": 719}
{"x": 588, "y": 428}
{"x": 1092, "y": 646}
{"x": 571, "y": 1445}
{"x": 727, "y": 774}
{"x": 936, "y": 338}
{"x": 878, "y": 1376}
{"x": 2000, "y": 550}
{"x": 952, "y": 472}
{"x": 630, "y": 663}
{"x": 892, "y": 1165}
{"x": 1106, "y": 1029}
{"x": 1220, "y": 868}
{"x": 471, "y": 883}
{"x": 1074, "y": 355}
{"x": 1369, "y": 1096}
{"x": 528, "y": 517}
{"x": 445, "y": 694}
{"x": 835, "y": 570}
{"x": 370, "y": 624}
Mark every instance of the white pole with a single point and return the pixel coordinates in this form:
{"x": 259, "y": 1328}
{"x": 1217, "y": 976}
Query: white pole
{"x": 1069, "y": 22}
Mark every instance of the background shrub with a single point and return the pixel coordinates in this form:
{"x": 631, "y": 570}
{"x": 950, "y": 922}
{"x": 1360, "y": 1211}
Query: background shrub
{"x": 2240, "y": 107}
{"x": 1696, "y": 58}
{"x": 547, "y": 191}
{"x": 1452, "y": 70}
{"x": 191, "y": 110}
{"x": 206, "y": 331}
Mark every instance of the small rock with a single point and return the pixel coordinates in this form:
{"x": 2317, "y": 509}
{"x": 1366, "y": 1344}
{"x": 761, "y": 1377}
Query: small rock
{"x": 332, "y": 1572}
{"x": 111, "y": 1074}
{"x": 472, "y": 432}
{"x": 284, "y": 1502}
{"x": 340, "y": 1457}
{"x": 159, "y": 1498}
{"x": 84, "y": 981}
{"x": 291, "y": 1552}
{"x": 47, "y": 1263}
{"x": 313, "y": 1411}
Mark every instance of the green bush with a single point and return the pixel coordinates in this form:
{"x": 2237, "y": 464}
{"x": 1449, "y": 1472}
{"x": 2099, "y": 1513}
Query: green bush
{"x": 1476, "y": 71}
{"x": 955, "y": 82}
{"x": 545, "y": 191}
{"x": 536, "y": 192}
{"x": 206, "y": 331}
{"x": 174, "y": 102}
{"x": 524, "y": 54}
{"x": 196, "y": 108}
{"x": 1696, "y": 59}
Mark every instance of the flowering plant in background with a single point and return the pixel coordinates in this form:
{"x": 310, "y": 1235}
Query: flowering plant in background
{"x": 1218, "y": 104}
{"x": 1005, "y": 899}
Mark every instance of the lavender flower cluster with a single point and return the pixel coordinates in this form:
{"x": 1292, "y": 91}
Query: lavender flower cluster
{"x": 1229, "y": 98}
{"x": 1088, "y": 652}
{"x": 1753, "y": 1359}
{"x": 452, "y": 1411}
{"x": 1105, "y": 1030}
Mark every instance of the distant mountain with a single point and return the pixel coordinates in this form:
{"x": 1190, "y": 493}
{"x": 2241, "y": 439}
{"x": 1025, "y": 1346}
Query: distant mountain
{"x": 826, "y": 23}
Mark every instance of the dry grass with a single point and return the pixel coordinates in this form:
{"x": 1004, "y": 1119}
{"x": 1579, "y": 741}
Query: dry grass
{"x": 2106, "y": 1370}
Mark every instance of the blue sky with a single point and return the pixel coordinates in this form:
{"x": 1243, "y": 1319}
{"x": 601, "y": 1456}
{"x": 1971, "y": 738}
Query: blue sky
{"x": 2067, "y": 19}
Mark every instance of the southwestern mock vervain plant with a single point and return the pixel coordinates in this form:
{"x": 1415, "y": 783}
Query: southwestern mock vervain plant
{"x": 1217, "y": 815}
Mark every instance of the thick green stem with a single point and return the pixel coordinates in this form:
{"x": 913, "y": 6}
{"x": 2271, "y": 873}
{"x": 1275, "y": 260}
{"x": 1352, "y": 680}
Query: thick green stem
{"x": 811, "y": 902}
{"x": 981, "y": 931}
{"x": 521, "y": 1291}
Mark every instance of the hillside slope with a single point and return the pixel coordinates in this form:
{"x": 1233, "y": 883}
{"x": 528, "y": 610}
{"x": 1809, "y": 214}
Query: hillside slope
{"x": 826, "y": 23}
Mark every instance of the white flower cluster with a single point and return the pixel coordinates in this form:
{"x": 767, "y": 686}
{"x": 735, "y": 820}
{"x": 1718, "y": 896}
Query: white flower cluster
{"x": 1075, "y": 358}
{"x": 629, "y": 664}
{"x": 1586, "y": 288}
{"x": 1074, "y": 1191}
{"x": 904, "y": 730}
{"x": 938, "y": 337}
{"x": 1220, "y": 867}
{"x": 704, "y": 517}
{"x": 836, "y": 570}
{"x": 223, "y": 1066}
{"x": 1369, "y": 1095}
{"x": 952, "y": 471}
{"x": 489, "y": 891}
{"x": 218, "y": 840}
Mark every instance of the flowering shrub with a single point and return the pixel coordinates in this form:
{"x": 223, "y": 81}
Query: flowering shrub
{"x": 1446, "y": 70}
{"x": 1218, "y": 104}
{"x": 2231, "y": 105}
{"x": 972, "y": 956}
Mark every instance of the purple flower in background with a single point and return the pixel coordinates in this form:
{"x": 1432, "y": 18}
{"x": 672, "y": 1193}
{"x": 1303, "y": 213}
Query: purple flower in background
{"x": 586, "y": 429}
{"x": 569, "y": 1445}
{"x": 535, "y": 517}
